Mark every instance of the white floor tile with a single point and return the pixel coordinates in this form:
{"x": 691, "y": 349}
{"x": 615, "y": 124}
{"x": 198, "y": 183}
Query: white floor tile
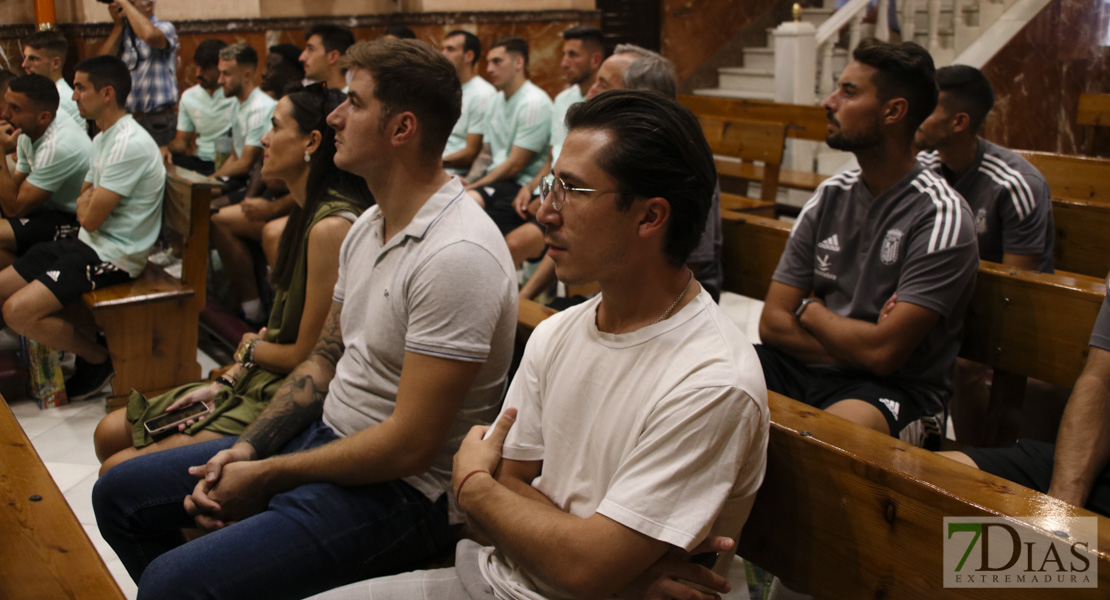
{"x": 68, "y": 475}
{"x": 70, "y": 441}
{"x": 129, "y": 588}
{"x": 79, "y": 498}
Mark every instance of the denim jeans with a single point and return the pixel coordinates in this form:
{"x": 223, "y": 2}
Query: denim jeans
{"x": 309, "y": 539}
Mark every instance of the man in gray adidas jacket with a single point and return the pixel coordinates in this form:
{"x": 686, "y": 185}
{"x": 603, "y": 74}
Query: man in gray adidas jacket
{"x": 865, "y": 312}
{"x": 1008, "y": 196}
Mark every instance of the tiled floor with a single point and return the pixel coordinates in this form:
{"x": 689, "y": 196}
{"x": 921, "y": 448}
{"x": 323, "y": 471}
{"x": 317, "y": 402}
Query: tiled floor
{"x": 63, "y": 438}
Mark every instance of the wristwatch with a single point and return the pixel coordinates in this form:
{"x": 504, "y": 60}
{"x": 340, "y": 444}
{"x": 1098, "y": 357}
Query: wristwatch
{"x": 801, "y": 307}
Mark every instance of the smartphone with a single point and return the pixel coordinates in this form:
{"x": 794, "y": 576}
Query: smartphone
{"x": 168, "y": 422}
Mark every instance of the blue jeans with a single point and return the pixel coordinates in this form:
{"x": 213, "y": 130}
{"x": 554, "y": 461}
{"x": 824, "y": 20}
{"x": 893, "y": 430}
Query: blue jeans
{"x": 309, "y": 539}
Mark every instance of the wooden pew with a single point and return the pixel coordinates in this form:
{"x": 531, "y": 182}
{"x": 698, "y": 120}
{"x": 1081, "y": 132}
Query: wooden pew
{"x": 151, "y": 323}
{"x": 1021, "y": 323}
{"x": 1069, "y": 176}
{"x": 750, "y": 142}
{"x": 1093, "y": 110}
{"x": 846, "y": 512}
{"x": 44, "y": 552}
{"x": 802, "y": 122}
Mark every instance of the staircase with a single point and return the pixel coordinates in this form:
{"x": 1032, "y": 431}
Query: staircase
{"x": 965, "y": 31}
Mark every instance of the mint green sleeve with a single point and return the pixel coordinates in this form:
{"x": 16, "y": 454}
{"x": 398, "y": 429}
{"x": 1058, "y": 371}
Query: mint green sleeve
{"x": 258, "y": 123}
{"x": 23, "y": 145}
{"x": 184, "y": 121}
{"x": 533, "y": 130}
{"x": 50, "y": 172}
{"x": 121, "y": 176}
{"x": 477, "y": 115}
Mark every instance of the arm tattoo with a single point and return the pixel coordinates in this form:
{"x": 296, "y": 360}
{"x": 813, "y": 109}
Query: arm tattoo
{"x": 300, "y": 400}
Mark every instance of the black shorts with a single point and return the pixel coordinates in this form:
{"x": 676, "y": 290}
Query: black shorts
{"x": 43, "y": 226}
{"x": 68, "y": 268}
{"x": 1029, "y": 463}
{"x": 499, "y": 197}
{"x": 820, "y": 387}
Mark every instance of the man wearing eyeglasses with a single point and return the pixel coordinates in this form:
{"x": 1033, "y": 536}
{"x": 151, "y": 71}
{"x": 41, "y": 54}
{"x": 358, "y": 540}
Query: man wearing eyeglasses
{"x": 644, "y": 408}
{"x": 148, "y": 46}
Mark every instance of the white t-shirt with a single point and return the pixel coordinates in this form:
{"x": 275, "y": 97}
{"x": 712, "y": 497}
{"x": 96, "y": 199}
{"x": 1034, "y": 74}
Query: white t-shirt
{"x": 663, "y": 430}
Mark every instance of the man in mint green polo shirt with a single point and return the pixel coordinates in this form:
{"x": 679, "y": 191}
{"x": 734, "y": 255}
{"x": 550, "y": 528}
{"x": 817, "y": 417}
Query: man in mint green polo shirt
{"x": 203, "y": 115}
{"x": 518, "y": 129}
{"x": 464, "y": 50}
{"x": 44, "y": 53}
{"x": 39, "y": 199}
{"x": 120, "y": 213}
{"x": 251, "y": 111}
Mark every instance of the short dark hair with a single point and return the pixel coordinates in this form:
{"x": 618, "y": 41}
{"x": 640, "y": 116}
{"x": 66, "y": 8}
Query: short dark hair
{"x": 904, "y": 71}
{"x": 6, "y": 77}
{"x": 39, "y": 90}
{"x": 513, "y": 44}
{"x": 410, "y": 75}
{"x": 657, "y": 148}
{"x": 207, "y": 54}
{"x": 290, "y": 56}
{"x": 400, "y": 32}
{"x": 471, "y": 43}
{"x": 242, "y": 53}
{"x": 968, "y": 91}
{"x": 590, "y": 36}
{"x": 334, "y": 37}
{"x": 104, "y": 71}
{"x": 51, "y": 41}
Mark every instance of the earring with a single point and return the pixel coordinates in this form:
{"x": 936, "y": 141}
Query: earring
{"x": 307, "y": 156}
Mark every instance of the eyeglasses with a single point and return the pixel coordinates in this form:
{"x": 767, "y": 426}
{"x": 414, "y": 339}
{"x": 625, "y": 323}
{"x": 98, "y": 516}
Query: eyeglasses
{"x": 555, "y": 189}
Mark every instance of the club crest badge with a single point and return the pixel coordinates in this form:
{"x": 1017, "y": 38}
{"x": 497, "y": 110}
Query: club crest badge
{"x": 981, "y": 221}
{"x": 891, "y": 243}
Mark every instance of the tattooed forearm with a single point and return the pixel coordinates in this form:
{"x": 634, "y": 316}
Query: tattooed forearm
{"x": 298, "y": 403}
{"x": 330, "y": 346}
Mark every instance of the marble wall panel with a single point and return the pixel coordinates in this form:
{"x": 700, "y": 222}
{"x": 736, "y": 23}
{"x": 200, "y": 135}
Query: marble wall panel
{"x": 1039, "y": 75}
{"x": 698, "y": 35}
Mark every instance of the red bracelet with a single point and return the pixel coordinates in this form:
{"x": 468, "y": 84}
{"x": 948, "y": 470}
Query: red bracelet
{"x": 468, "y": 476}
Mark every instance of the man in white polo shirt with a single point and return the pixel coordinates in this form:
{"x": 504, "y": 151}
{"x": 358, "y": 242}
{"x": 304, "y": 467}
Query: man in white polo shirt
{"x": 204, "y": 114}
{"x": 120, "y": 212}
{"x": 44, "y": 53}
{"x": 39, "y": 199}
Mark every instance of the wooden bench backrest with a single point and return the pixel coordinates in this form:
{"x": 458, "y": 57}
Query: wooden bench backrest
{"x": 1081, "y": 230}
{"x": 185, "y": 218}
{"x": 1019, "y": 321}
{"x": 844, "y": 509}
{"x": 749, "y": 141}
{"x": 1094, "y": 109}
{"x": 802, "y": 121}
{"x": 44, "y": 551}
{"x": 1069, "y": 176}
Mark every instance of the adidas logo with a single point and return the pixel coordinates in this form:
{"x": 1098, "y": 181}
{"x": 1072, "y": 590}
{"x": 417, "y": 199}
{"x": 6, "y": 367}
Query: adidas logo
{"x": 831, "y": 244}
{"x": 54, "y": 275}
{"x": 892, "y": 406}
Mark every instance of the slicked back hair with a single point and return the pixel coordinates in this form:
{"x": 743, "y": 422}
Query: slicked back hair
{"x": 104, "y": 71}
{"x": 242, "y": 53}
{"x": 40, "y": 90}
{"x": 514, "y": 45}
{"x": 6, "y": 78}
{"x": 966, "y": 90}
{"x": 471, "y": 43}
{"x": 657, "y": 149}
{"x": 648, "y": 71}
{"x": 410, "y": 75}
{"x": 334, "y": 37}
{"x": 904, "y": 71}
{"x": 400, "y": 32}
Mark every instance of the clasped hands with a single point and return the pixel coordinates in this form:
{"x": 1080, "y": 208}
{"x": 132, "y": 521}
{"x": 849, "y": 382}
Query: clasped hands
{"x": 232, "y": 487}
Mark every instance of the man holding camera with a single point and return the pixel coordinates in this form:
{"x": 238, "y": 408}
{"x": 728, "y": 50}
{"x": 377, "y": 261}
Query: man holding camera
{"x": 148, "y": 47}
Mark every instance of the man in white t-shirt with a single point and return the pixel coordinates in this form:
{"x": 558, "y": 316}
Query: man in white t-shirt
{"x": 635, "y": 429}
{"x": 44, "y": 53}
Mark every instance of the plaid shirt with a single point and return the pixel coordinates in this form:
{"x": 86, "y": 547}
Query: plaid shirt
{"x": 153, "y": 71}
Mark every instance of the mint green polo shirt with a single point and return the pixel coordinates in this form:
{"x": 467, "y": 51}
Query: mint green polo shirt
{"x": 476, "y": 95}
{"x": 566, "y": 98}
{"x": 127, "y": 161}
{"x": 56, "y": 162}
{"x": 208, "y": 115}
{"x": 250, "y": 120}
{"x": 67, "y": 106}
{"x": 523, "y": 121}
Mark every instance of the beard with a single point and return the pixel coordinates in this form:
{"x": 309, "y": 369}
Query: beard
{"x": 854, "y": 142}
